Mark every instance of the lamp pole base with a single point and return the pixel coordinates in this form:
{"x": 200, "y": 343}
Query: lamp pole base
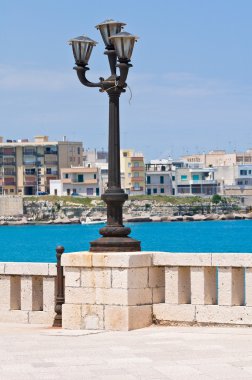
{"x": 115, "y": 244}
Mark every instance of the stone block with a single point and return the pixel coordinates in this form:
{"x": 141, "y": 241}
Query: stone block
{"x": 181, "y": 259}
{"x": 156, "y": 277}
{"x": 5, "y": 293}
{"x": 73, "y": 277}
{"x": 41, "y": 317}
{"x": 2, "y": 267}
{"x": 235, "y": 315}
{"x": 93, "y": 317}
{"x": 231, "y": 260}
{"x": 203, "y": 285}
{"x": 122, "y": 259}
{"x": 27, "y": 269}
{"x": 52, "y": 269}
{"x": 76, "y": 259}
{"x": 158, "y": 295}
{"x": 26, "y": 293}
{"x": 96, "y": 277}
{"x": 177, "y": 285}
{"x": 111, "y": 296}
{"x": 79, "y": 295}
{"x": 129, "y": 278}
{"x": 49, "y": 294}
{"x": 14, "y": 316}
{"x": 124, "y": 318}
{"x": 140, "y": 296}
{"x": 174, "y": 313}
{"x": 248, "y": 284}
{"x": 231, "y": 286}
{"x": 71, "y": 317}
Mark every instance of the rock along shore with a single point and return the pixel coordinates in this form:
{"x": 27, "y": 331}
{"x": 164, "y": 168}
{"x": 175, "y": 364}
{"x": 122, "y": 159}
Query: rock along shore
{"x": 59, "y": 212}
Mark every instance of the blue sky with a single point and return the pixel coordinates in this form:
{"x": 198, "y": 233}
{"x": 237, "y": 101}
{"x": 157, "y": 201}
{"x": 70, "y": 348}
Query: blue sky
{"x": 191, "y": 79}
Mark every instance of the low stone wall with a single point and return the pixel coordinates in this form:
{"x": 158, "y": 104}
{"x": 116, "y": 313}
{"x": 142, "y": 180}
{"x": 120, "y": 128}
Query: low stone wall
{"x": 206, "y": 288}
{"x": 11, "y": 205}
{"x": 27, "y": 292}
{"x": 130, "y": 290}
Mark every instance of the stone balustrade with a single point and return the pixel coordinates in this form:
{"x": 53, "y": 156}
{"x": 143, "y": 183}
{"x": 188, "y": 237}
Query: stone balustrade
{"x": 27, "y": 292}
{"x": 205, "y": 288}
{"x": 130, "y": 290}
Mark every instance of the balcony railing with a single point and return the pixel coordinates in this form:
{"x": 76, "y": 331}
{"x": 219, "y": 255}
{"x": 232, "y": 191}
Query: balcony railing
{"x": 9, "y": 163}
{"x": 203, "y": 182}
{"x": 137, "y": 169}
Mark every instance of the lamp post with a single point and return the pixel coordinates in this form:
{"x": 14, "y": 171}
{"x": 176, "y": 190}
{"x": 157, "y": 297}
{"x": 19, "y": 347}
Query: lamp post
{"x": 119, "y": 47}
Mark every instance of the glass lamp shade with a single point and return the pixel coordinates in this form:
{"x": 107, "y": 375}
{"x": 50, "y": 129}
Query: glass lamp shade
{"x": 109, "y": 28}
{"x": 82, "y": 48}
{"x": 124, "y": 44}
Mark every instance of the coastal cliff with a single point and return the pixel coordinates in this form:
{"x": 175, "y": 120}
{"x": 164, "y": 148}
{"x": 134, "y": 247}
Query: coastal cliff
{"x": 57, "y": 210}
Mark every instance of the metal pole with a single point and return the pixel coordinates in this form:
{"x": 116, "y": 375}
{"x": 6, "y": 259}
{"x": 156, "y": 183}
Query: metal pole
{"x": 60, "y": 297}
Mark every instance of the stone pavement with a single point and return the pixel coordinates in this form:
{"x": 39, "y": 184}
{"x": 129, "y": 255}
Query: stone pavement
{"x": 176, "y": 353}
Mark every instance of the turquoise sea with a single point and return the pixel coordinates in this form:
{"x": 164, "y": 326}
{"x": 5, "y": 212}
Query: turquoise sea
{"x": 36, "y": 243}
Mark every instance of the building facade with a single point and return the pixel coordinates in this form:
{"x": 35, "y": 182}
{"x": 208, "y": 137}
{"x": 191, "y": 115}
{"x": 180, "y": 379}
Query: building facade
{"x": 159, "y": 177}
{"x": 26, "y": 168}
{"x": 77, "y": 181}
{"x": 195, "y": 181}
{"x": 133, "y": 171}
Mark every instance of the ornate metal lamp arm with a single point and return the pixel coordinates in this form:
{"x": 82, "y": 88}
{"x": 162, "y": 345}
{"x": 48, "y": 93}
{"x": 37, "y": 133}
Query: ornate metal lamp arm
{"x": 124, "y": 69}
{"x": 81, "y": 73}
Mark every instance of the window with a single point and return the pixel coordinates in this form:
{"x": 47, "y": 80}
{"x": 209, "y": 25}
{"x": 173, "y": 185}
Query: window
{"x": 136, "y": 164}
{"x": 78, "y": 150}
{"x": 80, "y": 178}
{"x": 249, "y": 172}
{"x": 154, "y": 191}
{"x": 243, "y": 172}
{"x": 162, "y": 190}
{"x": 195, "y": 177}
{"x": 129, "y": 164}
{"x": 125, "y": 154}
{"x": 48, "y": 171}
{"x": 183, "y": 178}
{"x": 90, "y": 191}
{"x": 173, "y": 178}
{"x": 163, "y": 168}
{"x": 97, "y": 191}
{"x": 66, "y": 175}
{"x": 162, "y": 179}
{"x": 148, "y": 179}
{"x": 148, "y": 191}
{"x": 136, "y": 174}
{"x": 239, "y": 182}
{"x": 136, "y": 186}
{"x": 94, "y": 176}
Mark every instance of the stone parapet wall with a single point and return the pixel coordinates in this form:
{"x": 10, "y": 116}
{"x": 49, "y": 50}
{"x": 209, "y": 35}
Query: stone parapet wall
{"x": 27, "y": 292}
{"x": 11, "y": 205}
{"x": 206, "y": 288}
{"x": 113, "y": 291}
{"x": 130, "y": 290}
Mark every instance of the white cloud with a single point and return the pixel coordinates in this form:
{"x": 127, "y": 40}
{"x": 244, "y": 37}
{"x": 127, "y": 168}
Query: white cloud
{"x": 32, "y": 79}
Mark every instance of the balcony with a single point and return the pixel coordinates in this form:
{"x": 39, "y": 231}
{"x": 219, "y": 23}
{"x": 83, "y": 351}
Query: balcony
{"x": 9, "y": 163}
{"x": 137, "y": 169}
{"x": 50, "y": 163}
{"x": 203, "y": 182}
{"x": 137, "y": 179}
{"x": 7, "y": 183}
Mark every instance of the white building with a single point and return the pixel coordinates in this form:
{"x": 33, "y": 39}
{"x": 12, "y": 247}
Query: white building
{"x": 77, "y": 181}
{"x": 159, "y": 177}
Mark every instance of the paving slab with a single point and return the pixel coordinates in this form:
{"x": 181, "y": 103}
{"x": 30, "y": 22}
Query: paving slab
{"x": 155, "y": 353}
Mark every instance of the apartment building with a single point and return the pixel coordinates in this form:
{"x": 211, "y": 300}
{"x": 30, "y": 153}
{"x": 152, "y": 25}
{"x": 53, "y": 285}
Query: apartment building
{"x": 220, "y": 158}
{"x": 133, "y": 171}
{"x": 26, "y": 168}
{"x": 77, "y": 181}
{"x": 159, "y": 177}
{"x": 195, "y": 181}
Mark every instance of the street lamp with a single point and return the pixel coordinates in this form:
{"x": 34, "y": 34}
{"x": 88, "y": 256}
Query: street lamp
{"x": 119, "y": 47}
